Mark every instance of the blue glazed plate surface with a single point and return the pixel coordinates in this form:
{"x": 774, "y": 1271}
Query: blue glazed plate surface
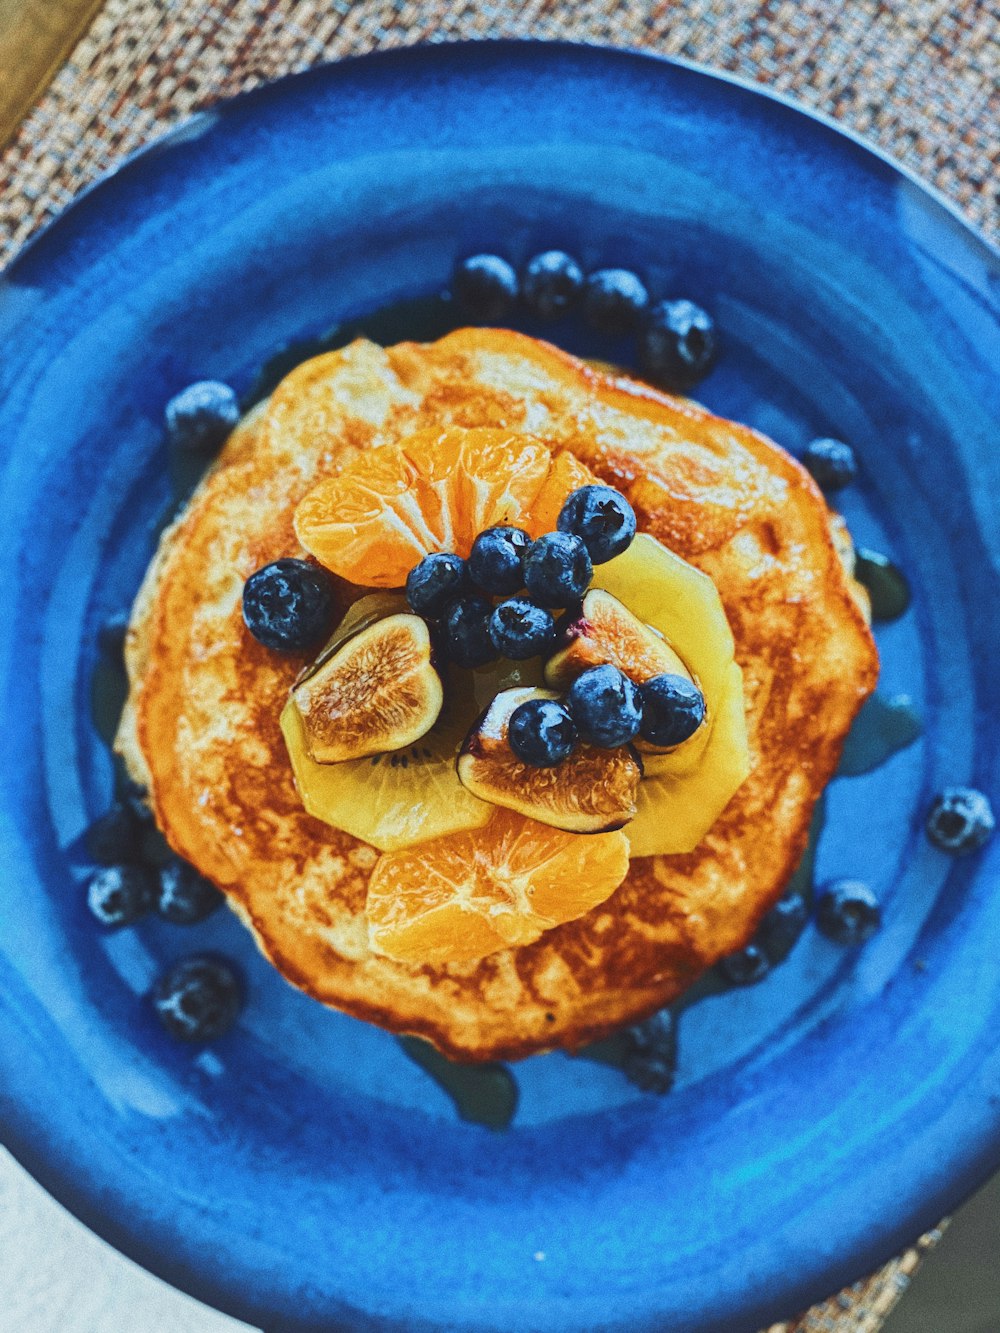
{"x": 304, "y": 1173}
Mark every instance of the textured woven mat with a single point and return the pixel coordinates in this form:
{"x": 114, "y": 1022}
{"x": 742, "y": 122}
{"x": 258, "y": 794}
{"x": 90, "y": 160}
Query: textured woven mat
{"x": 921, "y": 78}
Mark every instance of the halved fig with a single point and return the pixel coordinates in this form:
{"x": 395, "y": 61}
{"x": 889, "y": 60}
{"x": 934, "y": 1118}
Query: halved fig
{"x": 593, "y": 791}
{"x": 606, "y": 631}
{"x": 377, "y": 691}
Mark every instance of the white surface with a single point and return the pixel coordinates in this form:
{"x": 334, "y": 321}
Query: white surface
{"x": 57, "y": 1277}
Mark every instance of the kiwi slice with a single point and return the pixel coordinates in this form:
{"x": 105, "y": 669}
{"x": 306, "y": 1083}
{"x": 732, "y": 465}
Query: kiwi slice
{"x": 675, "y": 813}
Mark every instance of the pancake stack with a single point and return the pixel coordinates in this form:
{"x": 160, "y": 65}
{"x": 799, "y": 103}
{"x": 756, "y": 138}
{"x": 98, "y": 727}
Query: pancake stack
{"x": 201, "y": 727}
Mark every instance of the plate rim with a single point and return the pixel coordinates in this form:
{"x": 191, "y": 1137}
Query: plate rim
{"x": 62, "y": 1186}
{"x": 189, "y": 127}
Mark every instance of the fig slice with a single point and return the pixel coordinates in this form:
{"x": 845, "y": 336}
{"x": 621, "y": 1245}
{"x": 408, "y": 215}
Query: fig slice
{"x": 606, "y": 631}
{"x": 377, "y": 691}
{"x": 593, "y": 791}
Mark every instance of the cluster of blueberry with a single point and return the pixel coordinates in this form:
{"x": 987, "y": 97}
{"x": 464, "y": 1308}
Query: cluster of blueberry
{"x": 847, "y": 911}
{"x": 676, "y": 340}
{"x": 199, "y": 997}
{"x": 603, "y": 706}
{"x": 960, "y": 821}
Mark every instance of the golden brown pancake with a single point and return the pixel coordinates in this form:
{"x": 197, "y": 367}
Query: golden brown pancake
{"x": 201, "y": 728}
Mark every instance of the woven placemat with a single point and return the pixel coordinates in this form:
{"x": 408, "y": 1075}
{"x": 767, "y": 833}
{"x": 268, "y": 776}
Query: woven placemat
{"x": 917, "y": 77}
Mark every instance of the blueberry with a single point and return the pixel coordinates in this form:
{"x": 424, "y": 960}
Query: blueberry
{"x": 673, "y": 708}
{"x": 520, "y": 629}
{"x": 120, "y": 895}
{"x": 557, "y": 569}
{"x": 185, "y": 896}
{"x": 202, "y": 415}
{"x": 650, "y": 1061}
{"x": 288, "y": 605}
{"x": 435, "y": 582}
{"x": 111, "y": 636}
{"x": 614, "y": 300}
{"x": 466, "y": 631}
{"x": 831, "y": 463}
{"x": 485, "y": 286}
{"x": 677, "y": 345}
{"x": 746, "y": 966}
{"x": 606, "y": 706}
{"x": 848, "y": 912}
{"x": 551, "y": 284}
{"x": 603, "y": 520}
{"x": 541, "y": 733}
{"x": 779, "y": 932}
{"x": 960, "y": 820}
{"x": 116, "y": 836}
{"x": 199, "y": 998}
{"x": 496, "y": 560}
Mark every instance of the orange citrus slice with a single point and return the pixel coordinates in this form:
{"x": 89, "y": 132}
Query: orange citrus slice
{"x": 436, "y": 491}
{"x": 466, "y": 895}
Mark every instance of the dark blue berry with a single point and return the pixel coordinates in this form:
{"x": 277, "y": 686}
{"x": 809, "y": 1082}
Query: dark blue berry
{"x": 202, "y": 415}
{"x": 614, "y": 301}
{"x": 185, "y": 896}
{"x": 436, "y": 582}
{"x": 673, "y": 708}
{"x": 541, "y": 733}
{"x": 606, "y": 706}
{"x": 677, "y": 345}
{"x": 831, "y": 463}
{"x": 288, "y": 605}
{"x": 603, "y": 520}
{"x": 650, "y": 1060}
{"x": 116, "y": 836}
{"x": 497, "y": 558}
{"x": 120, "y": 895}
{"x": 199, "y": 998}
{"x": 960, "y": 820}
{"x": 780, "y": 929}
{"x": 111, "y": 636}
{"x": 551, "y": 284}
{"x": 746, "y": 966}
{"x": 520, "y": 629}
{"x": 557, "y": 569}
{"x": 466, "y": 632}
{"x": 848, "y": 912}
{"x": 485, "y": 286}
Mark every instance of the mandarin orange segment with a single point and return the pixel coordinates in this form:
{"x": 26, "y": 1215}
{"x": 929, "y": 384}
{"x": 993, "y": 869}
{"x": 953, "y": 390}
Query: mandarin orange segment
{"x": 461, "y": 897}
{"x": 567, "y": 474}
{"x": 368, "y": 524}
{"x": 502, "y": 474}
{"x": 436, "y": 491}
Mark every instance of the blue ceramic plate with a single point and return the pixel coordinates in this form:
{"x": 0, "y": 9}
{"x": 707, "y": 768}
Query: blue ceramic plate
{"x": 305, "y": 1172}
